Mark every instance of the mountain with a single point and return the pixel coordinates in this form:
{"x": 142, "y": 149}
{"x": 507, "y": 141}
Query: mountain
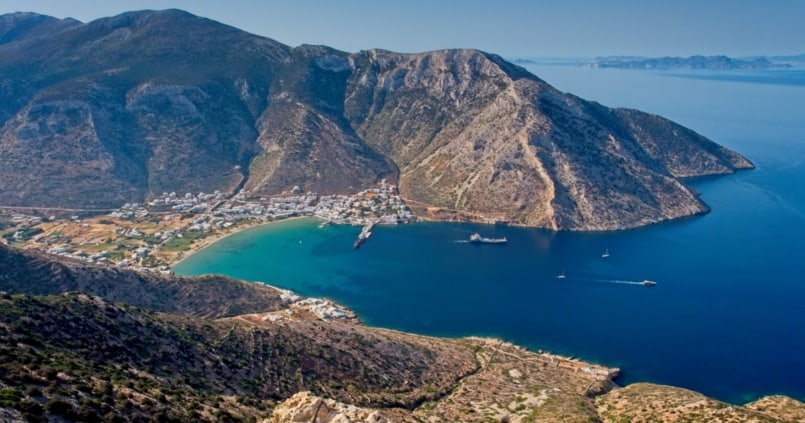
{"x": 692, "y": 62}
{"x": 111, "y": 353}
{"x": 21, "y": 25}
{"x": 124, "y": 108}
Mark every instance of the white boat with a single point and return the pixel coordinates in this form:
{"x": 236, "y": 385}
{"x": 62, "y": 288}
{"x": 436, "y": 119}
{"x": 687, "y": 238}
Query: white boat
{"x": 647, "y": 282}
{"x": 606, "y": 253}
{"x": 561, "y": 275}
{"x": 476, "y": 238}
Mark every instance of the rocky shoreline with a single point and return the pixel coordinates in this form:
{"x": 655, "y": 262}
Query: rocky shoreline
{"x": 349, "y": 372}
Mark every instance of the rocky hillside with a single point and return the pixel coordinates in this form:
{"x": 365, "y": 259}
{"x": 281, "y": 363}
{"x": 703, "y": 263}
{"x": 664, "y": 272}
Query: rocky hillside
{"x": 27, "y": 272}
{"x": 120, "y": 109}
{"x": 75, "y": 356}
{"x": 75, "y": 348}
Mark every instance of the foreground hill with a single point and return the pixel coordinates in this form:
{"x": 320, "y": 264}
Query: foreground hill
{"x": 206, "y": 296}
{"x": 82, "y": 357}
{"x": 121, "y": 109}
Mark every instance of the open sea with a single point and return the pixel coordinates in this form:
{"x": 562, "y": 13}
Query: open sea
{"x": 726, "y": 318}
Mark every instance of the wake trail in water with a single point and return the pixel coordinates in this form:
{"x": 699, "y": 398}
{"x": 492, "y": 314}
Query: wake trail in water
{"x": 624, "y": 282}
{"x": 615, "y": 281}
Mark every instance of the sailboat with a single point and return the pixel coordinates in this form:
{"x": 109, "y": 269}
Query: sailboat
{"x": 606, "y": 253}
{"x": 561, "y": 275}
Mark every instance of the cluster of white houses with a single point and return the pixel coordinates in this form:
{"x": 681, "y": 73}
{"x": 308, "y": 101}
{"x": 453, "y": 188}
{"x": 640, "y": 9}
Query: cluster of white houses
{"x": 383, "y": 204}
{"x": 128, "y": 211}
{"x": 189, "y": 203}
{"x": 214, "y": 211}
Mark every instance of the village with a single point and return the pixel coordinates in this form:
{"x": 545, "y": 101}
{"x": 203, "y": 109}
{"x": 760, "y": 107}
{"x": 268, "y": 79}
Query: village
{"x": 152, "y": 236}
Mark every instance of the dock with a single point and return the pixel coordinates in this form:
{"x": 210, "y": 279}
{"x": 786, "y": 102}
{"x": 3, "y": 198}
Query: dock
{"x": 366, "y": 232}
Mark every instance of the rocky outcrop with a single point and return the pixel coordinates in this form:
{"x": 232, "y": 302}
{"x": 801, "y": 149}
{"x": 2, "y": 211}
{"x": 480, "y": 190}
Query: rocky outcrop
{"x": 124, "y": 108}
{"x": 644, "y": 402}
{"x": 305, "y": 407}
{"x": 780, "y": 407}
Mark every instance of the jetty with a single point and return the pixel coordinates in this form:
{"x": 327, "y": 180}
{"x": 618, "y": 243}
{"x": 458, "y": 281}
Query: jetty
{"x": 366, "y": 232}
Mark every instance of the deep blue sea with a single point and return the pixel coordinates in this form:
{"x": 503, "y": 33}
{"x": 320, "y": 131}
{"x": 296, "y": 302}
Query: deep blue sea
{"x": 727, "y": 317}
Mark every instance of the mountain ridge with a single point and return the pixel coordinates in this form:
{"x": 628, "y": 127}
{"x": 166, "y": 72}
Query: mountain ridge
{"x": 122, "y": 109}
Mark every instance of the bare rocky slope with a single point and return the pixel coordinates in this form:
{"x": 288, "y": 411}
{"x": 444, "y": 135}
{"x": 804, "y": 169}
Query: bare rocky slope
{"x": 107, "y": 355}
{"x": 119, "y": 109}
{"x": 204, "y": 296}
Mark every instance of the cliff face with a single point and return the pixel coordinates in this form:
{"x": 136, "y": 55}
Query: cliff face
{"x": 122, "y": 108}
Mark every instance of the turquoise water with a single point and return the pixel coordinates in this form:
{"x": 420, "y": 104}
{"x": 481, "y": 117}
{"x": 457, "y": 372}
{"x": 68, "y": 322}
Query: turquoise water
{"x": 726, "y": 318}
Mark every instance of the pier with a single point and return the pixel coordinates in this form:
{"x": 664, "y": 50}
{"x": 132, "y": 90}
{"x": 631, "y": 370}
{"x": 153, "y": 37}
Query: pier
{"x": 366, "y": 232}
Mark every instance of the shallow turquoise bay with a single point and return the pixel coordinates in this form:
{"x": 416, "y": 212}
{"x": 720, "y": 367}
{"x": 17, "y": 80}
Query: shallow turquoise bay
{"x": 727, "y": 317}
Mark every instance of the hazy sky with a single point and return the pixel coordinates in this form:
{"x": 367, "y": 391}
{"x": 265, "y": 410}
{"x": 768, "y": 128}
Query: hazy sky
{"x": 564, "y": 28}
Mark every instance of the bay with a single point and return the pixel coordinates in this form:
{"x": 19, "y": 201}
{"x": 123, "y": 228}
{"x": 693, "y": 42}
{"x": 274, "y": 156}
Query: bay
{"x": 727, "y": 317}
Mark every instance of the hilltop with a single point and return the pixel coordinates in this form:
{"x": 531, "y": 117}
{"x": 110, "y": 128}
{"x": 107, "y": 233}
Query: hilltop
{"x": 121, "y": 109}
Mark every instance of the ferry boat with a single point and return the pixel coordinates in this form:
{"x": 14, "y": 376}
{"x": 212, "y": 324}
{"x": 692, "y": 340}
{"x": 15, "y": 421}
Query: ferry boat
{"x": 476, "y": 238}
{"x": 647, "y": 282}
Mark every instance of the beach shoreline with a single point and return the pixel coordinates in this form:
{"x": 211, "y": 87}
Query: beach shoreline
{"x": 205, "y": 242}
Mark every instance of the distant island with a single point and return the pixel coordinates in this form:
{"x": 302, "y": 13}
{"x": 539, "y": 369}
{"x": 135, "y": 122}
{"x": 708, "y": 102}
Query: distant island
{"x": 692, "y": 62}
{"x": 794, "y": 58}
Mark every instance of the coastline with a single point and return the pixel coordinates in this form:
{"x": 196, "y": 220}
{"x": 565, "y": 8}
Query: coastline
{"x": 622, "y": 380}
{"x": 571, "y": 362}
{"x": 212, "y": 239}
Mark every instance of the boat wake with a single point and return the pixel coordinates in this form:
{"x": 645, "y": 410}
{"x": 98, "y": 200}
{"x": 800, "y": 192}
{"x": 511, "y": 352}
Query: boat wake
{"x": 645, "y": 282}
{"x": 621, "y": 282}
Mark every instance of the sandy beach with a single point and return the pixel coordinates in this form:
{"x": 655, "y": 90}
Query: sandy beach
{"x": 201, "y": 244}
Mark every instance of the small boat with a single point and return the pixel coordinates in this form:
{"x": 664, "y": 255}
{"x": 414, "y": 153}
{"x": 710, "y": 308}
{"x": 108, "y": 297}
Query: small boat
{"x": 647, "y": 282}
{"x": 561, "y": 275}
{"x": 606, "y": 253}
{"x": 324, "y": 224}
{"x": 476, "y": 238}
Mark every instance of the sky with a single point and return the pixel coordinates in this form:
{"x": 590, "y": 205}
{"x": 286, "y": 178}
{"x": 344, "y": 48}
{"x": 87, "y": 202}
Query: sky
{"x": 512, "y": 28}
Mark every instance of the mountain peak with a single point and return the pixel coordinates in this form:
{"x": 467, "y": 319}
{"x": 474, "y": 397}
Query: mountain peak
{"x": 24, "y": 25}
